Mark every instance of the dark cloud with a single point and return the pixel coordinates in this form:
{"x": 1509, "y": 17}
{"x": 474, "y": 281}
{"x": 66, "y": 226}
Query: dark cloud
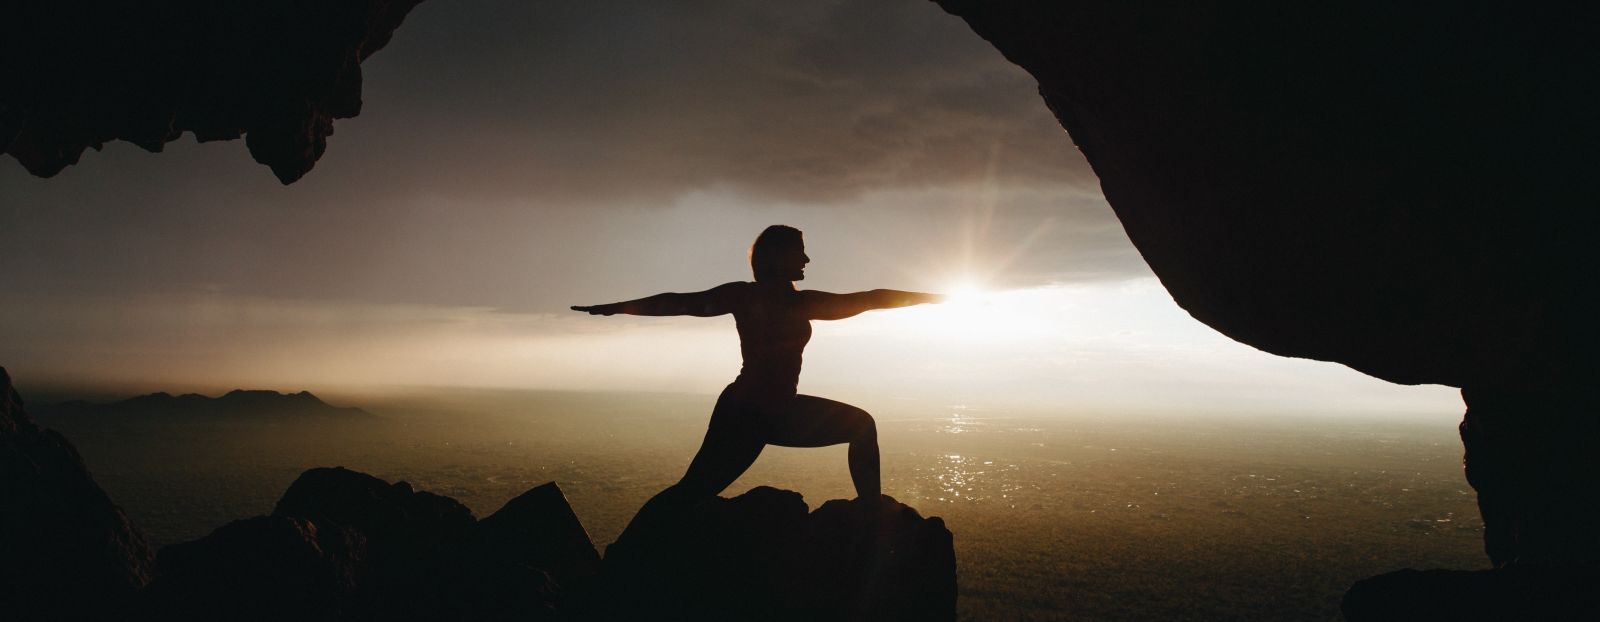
{"x": 530, "y": 155}
{"x": 592, "y": 102}
{"x": 793, "y": 100}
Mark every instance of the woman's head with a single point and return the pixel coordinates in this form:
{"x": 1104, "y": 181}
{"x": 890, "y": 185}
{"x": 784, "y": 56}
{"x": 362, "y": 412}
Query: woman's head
{"x": 779, "y": 254}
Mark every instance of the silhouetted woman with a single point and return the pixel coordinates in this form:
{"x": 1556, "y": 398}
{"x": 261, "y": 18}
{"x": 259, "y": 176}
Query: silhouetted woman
{"x": 761, "y": 407}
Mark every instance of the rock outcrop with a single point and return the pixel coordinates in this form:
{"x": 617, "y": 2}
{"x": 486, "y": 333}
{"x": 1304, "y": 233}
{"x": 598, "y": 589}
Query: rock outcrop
{"x": 68, "y": 552}
{"x": 266, "y": 568}
{"x": 1402, "y": 188}
{"x": 540, "y": 530}
{"x": 763, "y": 556}
{"x": 344, "y": 545}
{"x": 1511, "y": 592}
{"x": 1397, "y": 187}
{"x": 414, "y": 539}
{"x": 76, "y": 74}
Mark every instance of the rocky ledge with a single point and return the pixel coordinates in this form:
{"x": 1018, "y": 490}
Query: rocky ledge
{"x": 764, "y": 556}
{"x": 66, "y": 551}
{"x": 1517, "y": 591}
{"x": 344, "y": 545}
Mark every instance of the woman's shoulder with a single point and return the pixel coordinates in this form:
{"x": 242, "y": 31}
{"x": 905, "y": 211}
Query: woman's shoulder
{"x": 732, "y": 293}
{"x": 744, "y": 293}
{"x": 733, "y": 287}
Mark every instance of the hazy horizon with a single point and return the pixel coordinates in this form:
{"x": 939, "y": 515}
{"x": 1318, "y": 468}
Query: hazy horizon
{"x": 1125, "y": 349}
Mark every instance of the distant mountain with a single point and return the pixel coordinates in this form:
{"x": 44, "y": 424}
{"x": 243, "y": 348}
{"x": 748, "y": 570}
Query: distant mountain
{"x": 237, "y": 403}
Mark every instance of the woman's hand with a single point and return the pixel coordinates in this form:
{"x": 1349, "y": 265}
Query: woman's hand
{"x": 606, "y": 309}
{"x": 895, "y": 298}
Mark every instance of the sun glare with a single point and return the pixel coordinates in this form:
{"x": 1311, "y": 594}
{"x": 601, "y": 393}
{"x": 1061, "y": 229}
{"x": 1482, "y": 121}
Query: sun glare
{"x": 969, "y": 312}
{"x": 958, "y": 291}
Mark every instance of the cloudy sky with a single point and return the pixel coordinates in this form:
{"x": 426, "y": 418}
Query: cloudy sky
{"x": 514, "y": 158}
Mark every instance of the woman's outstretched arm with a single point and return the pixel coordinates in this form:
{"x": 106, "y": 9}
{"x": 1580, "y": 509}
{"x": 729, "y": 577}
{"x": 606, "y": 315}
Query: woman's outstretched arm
{"x": 715, "y": 301}
{"x": 829, "y": 306}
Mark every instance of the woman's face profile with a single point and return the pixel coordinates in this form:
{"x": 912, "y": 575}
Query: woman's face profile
{"x": 792, "y": 260}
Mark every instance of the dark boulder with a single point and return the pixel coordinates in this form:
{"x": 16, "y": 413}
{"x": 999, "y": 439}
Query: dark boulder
{"x": 531, "y": 560}
{"x": 66, "y": 551}
{"x": 263, "y": 568}
{"x": 539, "y": 529}
{"x": 427, "y": 558}
{"x": 76, "y": 74}
{"x": 762, "y": 556}
{"x": 400, "y": 523}
{"x": 1512, "y": 592}
{"x": 887, "y": 562}
{"x": 414, "y": 538}
{"x": 718, "y": 560}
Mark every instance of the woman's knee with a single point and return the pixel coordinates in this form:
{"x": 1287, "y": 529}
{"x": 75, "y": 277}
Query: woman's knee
{"x": 865, "y": 427}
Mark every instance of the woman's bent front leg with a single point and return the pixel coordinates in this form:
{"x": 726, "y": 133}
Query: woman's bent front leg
{"x": 808, "y": 421}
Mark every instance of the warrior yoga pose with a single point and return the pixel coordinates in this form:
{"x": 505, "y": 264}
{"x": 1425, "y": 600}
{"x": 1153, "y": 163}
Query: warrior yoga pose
{"x": 761, "y": 407}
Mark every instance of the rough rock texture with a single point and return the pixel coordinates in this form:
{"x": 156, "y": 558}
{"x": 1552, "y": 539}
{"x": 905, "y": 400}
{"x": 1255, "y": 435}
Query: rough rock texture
{"x": 79, "y": 73}
{"x": 263, "y": 568}
{"x": 1404, "y": 188}
{"x": 761, "y": 556}
{"x": 66, "y": 551}
{"x": 539, "y": 529}
{"x": 1399, "y": 187}
{"x": 1531, "y": 456}
{"x": 413, "y": 537}
{"x": 398, "y": 521}
{"x": 1513, "y": 592}
{"x": 344, "y": 545}
{"x": 427, "y": 558}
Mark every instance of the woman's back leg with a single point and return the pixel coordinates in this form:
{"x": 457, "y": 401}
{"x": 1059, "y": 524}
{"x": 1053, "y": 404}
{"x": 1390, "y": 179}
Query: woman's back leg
{"x": 724, "y": 455}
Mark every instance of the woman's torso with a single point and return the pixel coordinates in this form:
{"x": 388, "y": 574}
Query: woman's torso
{"x": 773, "y": 332}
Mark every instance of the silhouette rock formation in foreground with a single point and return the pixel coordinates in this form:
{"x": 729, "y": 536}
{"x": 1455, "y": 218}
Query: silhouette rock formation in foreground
{"x": 1398, "y": 188}
{"x": 66, "y": 551}
{"x": 344, "y": 545}
{"x": 762, "y": 556}
{"x": 262, "y": 568}
{"x": 79, "y": 73}
{"x": 1512, "y": 592}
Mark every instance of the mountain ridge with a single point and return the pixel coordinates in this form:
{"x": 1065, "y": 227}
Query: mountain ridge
{"x": 236, "y": 403}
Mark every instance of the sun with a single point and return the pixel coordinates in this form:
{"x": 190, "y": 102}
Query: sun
{"x": 967, "y": 313}
{"x": 971, "y": 319}
{"x": 961, "y": 290}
